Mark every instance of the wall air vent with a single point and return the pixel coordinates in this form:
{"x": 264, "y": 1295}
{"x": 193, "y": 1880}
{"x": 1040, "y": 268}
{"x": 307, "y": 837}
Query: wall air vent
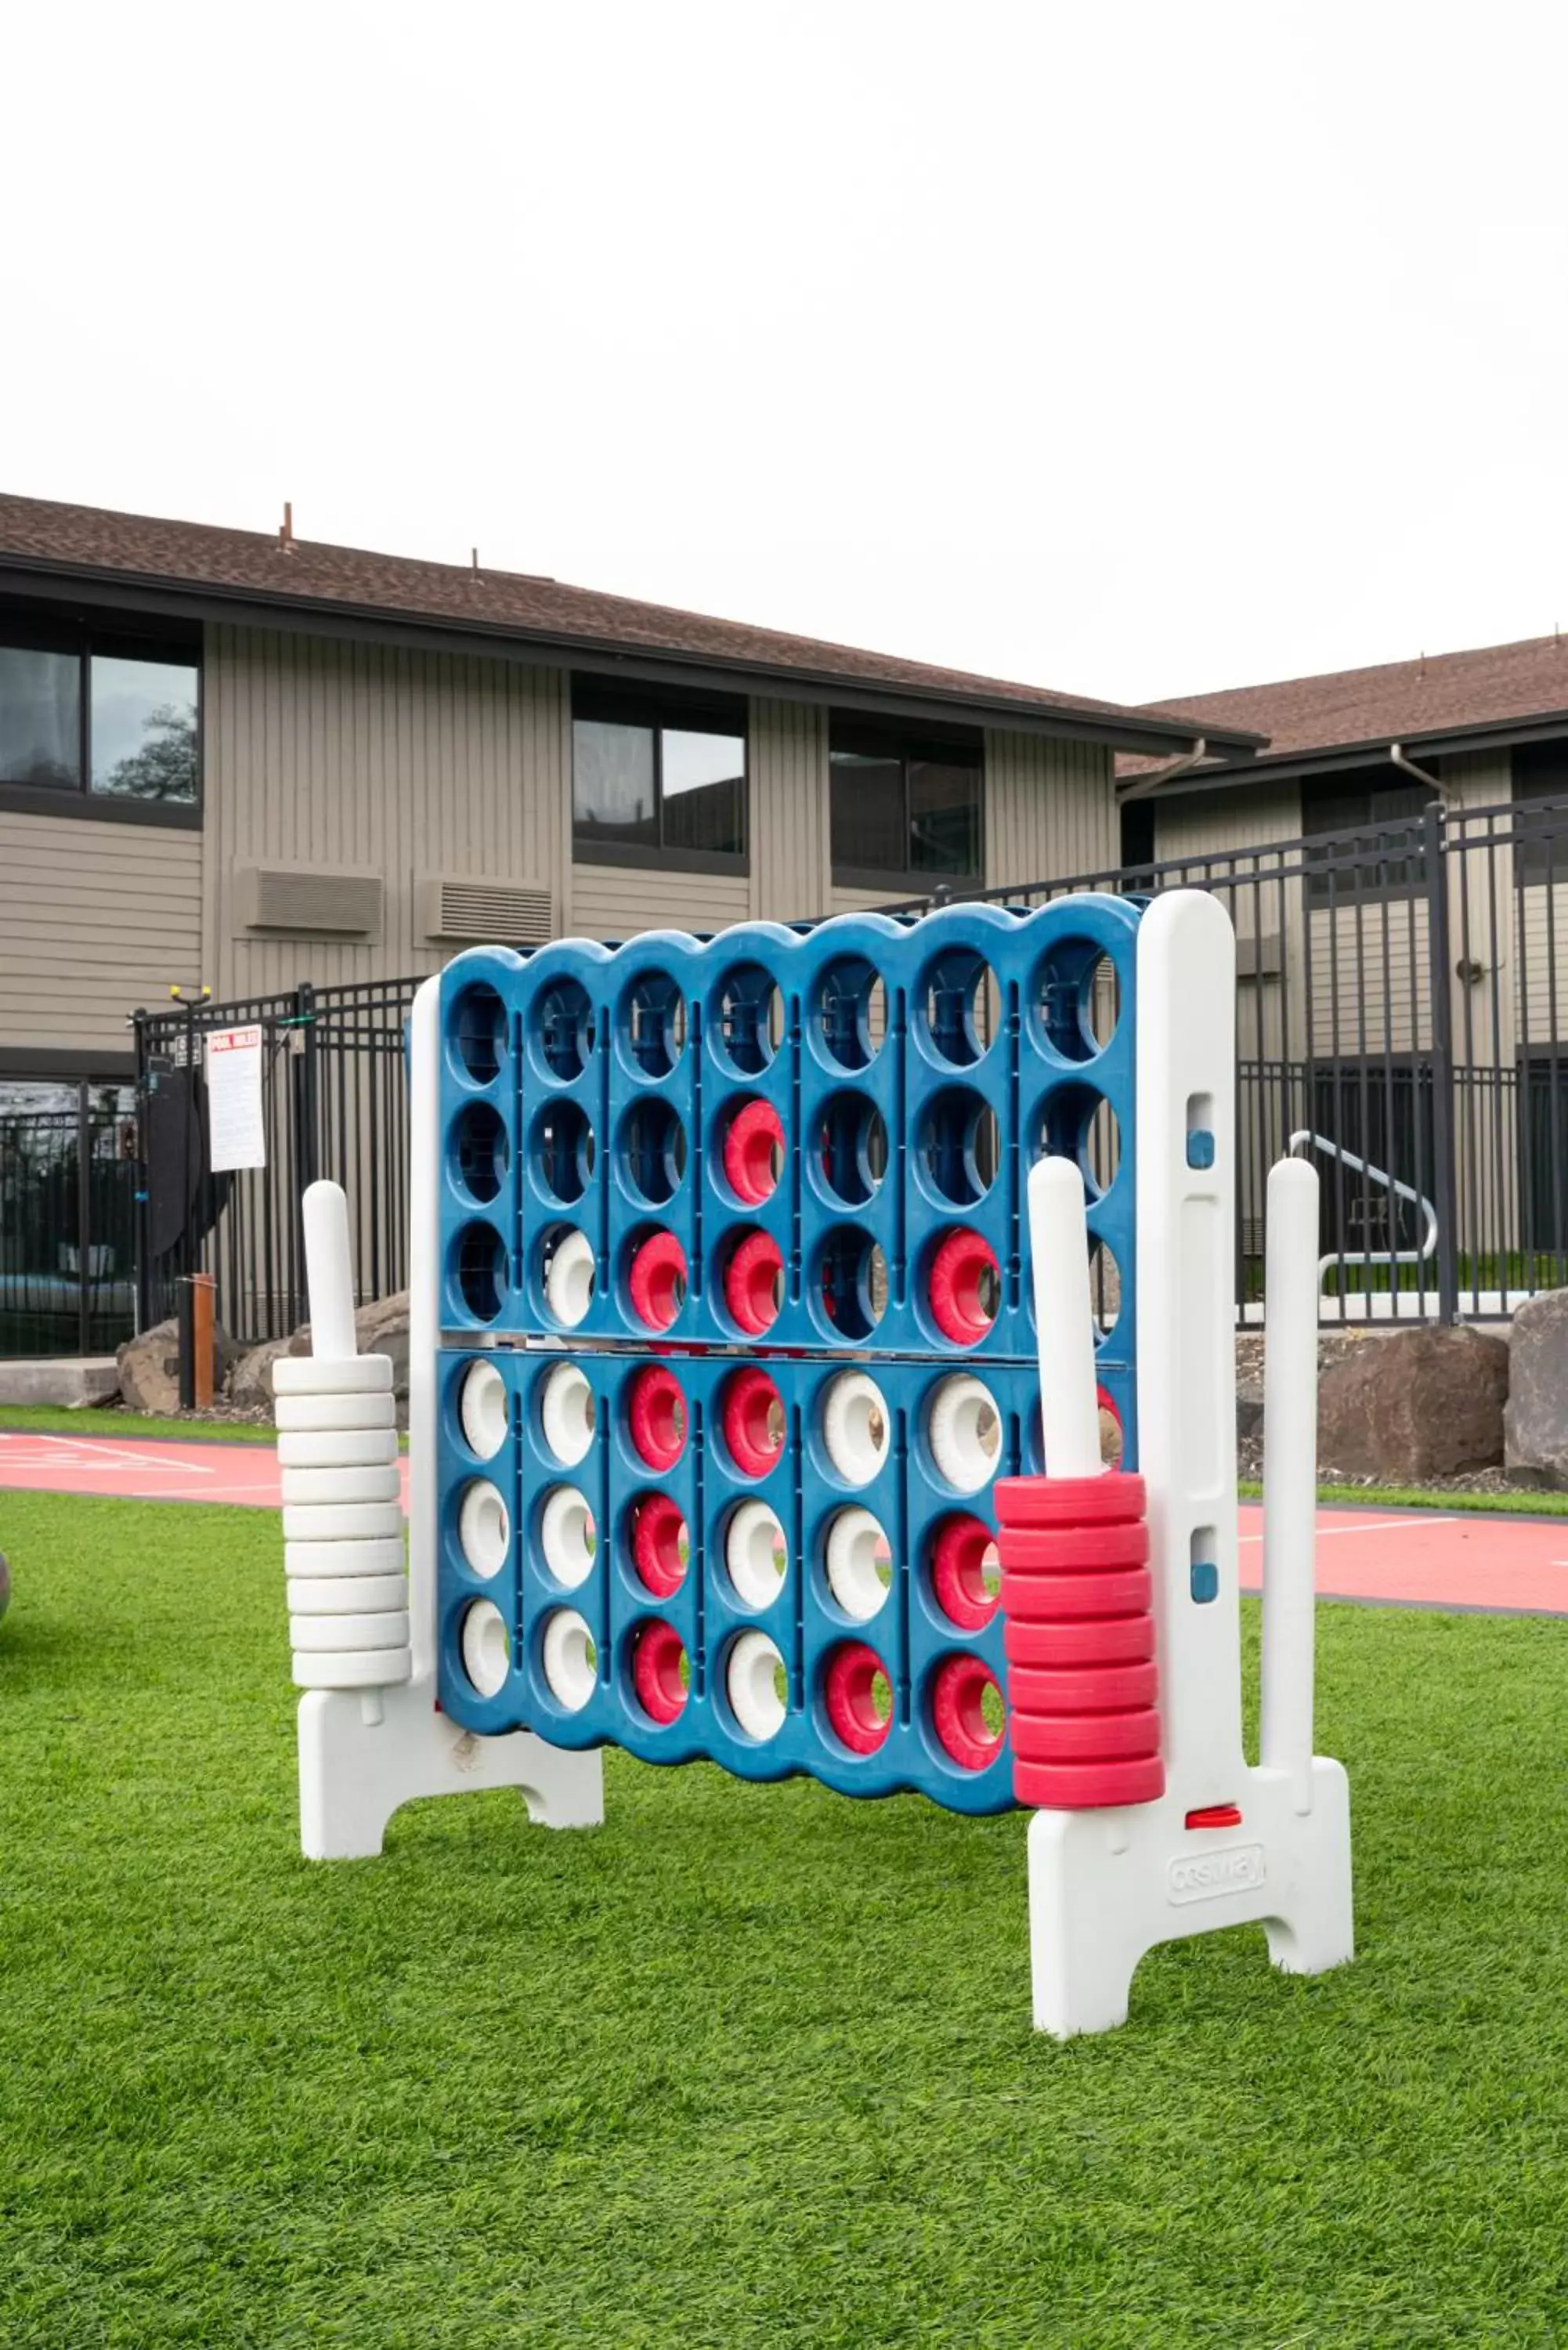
{"x": 483, "y": 912}
{"x": 312, "y": 898}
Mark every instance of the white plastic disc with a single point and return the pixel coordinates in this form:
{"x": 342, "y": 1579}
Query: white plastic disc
{"x": 757, "y": 1554}
{"x": 964, "y": 1432}
{"x": 342, "y": 1522}
{"x": 343, "y": 1558}
{"x": 569, "y": 1284}
{"x": 486, "y": 1647}
{"x": 355, "y": 1669}
{"x": 567, "y": 1411}
{"x": 347, "y": 1595}
{"x": 387, "y": 1630}
{"x": 751, "y": 1682}
{"x": 382, "y": 1485}
{"x": 857, "y": 1427}
{"x": 566, "y": 1536}
{"x": 482, "y": 1409}
{"x": 302, "y": 1374}
{"x": 855, "y": 1544}
{"x": 337, "y": 1448}
{"x": 335, "y": 1411}
{"x": 569, "y": 1659}
{"x": 484, "y": 1527}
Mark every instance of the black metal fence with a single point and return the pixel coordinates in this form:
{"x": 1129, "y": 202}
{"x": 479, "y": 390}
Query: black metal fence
{"x": 68, "y": 1207}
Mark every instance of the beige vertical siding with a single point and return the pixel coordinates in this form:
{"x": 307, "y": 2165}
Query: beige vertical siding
{"x": 1369, "y": 978}
{"x": 1050, "y": 809}
{"x": 616, "y": 901}
{"x": 336, "y": 755}
{"x": 1540, "y": 979}
{"x": 1217, "y": 822}
{"x": 787, "y": 762}
{"x": 94, "y": 919}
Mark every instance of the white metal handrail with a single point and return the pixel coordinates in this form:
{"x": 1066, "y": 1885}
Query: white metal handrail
{"x": 1333, "y": 1149}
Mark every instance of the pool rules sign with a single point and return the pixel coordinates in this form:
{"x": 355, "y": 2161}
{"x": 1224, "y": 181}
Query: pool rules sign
{"x": 236, "y": 1131}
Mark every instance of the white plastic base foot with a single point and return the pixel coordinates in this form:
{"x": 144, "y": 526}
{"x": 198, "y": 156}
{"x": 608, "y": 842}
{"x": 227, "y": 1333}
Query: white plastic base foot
{"x": 1107, "y": 1887}
{"x": 354, "y": 1772}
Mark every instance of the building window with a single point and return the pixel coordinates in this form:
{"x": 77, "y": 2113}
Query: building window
{"x": 657, "y": 780}
{"x": 99, "y": 717}
{"x": 1540, "y": 838}
{"x": 906, "y": 809}
{"x": 1384, "y": 857}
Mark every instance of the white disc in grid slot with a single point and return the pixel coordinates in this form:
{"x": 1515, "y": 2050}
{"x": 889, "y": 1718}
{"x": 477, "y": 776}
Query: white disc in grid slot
{"x": 963, "y": 1429}
{"x": 312, "y": 1375}
{"x": 567, "y": 1414}
{"x": 484, "y": 1527}
{"x": 859, "y": 1563}
{"x": 752, "y": 1676}
{"x": 857, "y": 1427}
{"x": 482, "y": 1408}
{"x": 570, "y": 1659}
{"x": 569, "y": 1278}
{"x": 757, "y": 1554}
{"x": 486, "y": 1646}
{"x": 568, "y": 1536}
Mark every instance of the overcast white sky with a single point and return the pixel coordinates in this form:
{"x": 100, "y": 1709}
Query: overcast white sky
{"x": 1133, "y": 349}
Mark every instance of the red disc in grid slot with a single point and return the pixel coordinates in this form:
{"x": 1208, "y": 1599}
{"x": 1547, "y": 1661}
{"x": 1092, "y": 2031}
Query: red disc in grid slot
{"x": 751, "y": 1414}
{"x": 1073, "y": 1550}
{"x": 753, "y": 1140}
{"x": 1087, "y": 1786}
{"x": 658, "y": 1657}
{"x": 961, "y": 1553}
{"x": 1093, "y": 1641}
{"x": 1055, "y": 1599}
{"x": 1086, "y": 1737}
{"x": 657, "y": 1540}
{"x": 753, "y": 1282}
{"x": 959, "y": 1691}
{"x": 656, "y": 1283}
{"x": 849, "y": 1695}
{"x": 1103, "y": 1500}
{"x": 656, "y": 1410}
{"x": 1091, "y": 1689}
{"x": 963, "y": 1269}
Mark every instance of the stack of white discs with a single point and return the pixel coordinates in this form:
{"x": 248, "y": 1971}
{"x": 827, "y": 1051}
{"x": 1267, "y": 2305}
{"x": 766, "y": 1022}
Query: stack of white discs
{"x": 342, "y": 1522}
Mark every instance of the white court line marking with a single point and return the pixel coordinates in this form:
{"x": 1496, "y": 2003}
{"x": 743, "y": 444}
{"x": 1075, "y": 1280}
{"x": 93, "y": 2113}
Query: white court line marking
{"x": 89, "y": 1452}
{"x": 1371, "y": 1527}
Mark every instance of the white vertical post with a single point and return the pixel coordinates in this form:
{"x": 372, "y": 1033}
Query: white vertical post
{"x": 1289, "y": 1472}
{"x": 330, "y": 1272}
{"x": 1064, "y": 1320}
{"x": 424, "y": 1318}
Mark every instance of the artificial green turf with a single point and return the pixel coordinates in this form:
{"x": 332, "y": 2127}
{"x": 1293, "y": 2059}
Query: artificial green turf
{"x": 1516, "y": 1504}
{"x": 746, "y": 2065}
{"x": 59, "y": 1420}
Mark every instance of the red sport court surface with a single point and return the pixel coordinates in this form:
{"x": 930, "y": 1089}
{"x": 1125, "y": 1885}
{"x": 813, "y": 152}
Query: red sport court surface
{"x": 1396, "y": 1557}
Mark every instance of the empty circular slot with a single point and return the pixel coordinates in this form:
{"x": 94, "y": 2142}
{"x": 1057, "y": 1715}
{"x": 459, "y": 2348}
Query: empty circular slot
{"x": 1079, "y": 1122}
{"x": 481, "y": 1151}
{"x": 1112, "y": 1438}
{"x": 753, "y": 1152}
{"x": 564, "y": 1029}
{"x": 567, "y": 1414}
{"x": 959, "y": 1001}
{"x": 857, "y": 1427}
{"x": 659, "y": 1673}
{"x": 653, "y": 1024}
{"x": 751, "y": 1415}
{"x": 963, "y": 1286}
{"x": 753, "y": 1282}
{"x": 568, "y": 1269}
{"x": 656, "y": 1280}
{"x": 652, "y": 1151}
{"x": 851, "y": 1012}
{"x": 967, "y": 1714}
{"x": 852, "y": 1283}
{"x": 859, "y": 1561}
{"x": 483, "y": 1528}
{"x": 568, "y": 1536}
{"x": 656, "y": 1414}
{"x": 857, "y": 1697}
{"x": 486, "y": 1647}
{"x": 477, "y": 1028}
{"x": 1078, "y": 999}
{"x": 851, "y": 1147}
{"x": 753, "y": 1672}
{"x": 1104, "y": 1287}
{"x": 966, "y": 1578}
{"x": 757, "y": 1554}
{"x": 748, "y": 1018}
{"x": 563, "y": 1148}
{"x": 482, "y": 1408}
{"x": 569, "y": 1659}
{"x": 963, "y": 1429}
{"x": 957, "y": 1146}
{"x": 481, "y": 1265}
{"x": 660, "y": 1545}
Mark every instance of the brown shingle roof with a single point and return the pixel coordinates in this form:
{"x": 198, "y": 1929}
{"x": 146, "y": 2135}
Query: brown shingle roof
{"x": 84, "y": 541}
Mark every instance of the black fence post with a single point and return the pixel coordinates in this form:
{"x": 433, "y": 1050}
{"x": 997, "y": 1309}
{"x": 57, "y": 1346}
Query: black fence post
{"x": 141, "y": 1215}
{"x": 1444, "y": 1183}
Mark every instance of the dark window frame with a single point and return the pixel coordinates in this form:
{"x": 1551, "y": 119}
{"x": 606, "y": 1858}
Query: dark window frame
{"x": 1338, "y": 872}
{"x": 598, "y": 702}
{"x": 953, "y": 746}
{"x": 1540, "y": 772}
{"x": 29, "y": 631}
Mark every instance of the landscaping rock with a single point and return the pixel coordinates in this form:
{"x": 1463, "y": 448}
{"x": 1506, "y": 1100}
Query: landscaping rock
{"x": 149, "y": 1367}
{"x": 1413, "y": 1405}
{"x": 1536, "y": 1425}
{"x": 250, "y": 1381}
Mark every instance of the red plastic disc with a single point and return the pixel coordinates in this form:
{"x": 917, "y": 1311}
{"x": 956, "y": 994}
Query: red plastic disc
{"x": 957, "y": 1713}
{"x": 751, "y": 1283}
{"x": 1086, "y": 1737}
{"x": 656, "y": 1282}
{"x": 753, "y": 1135}
{"x": 658, "y": 1530}
{"x": 754, "y": 1422}
{"x": 657, "y": 1656}
{"x": 847, "y": 1692}
{"x": 1091, "y": 1689}
{"x": 1053, "y": 1598}
{"x": 656, "y": 1413}
{"x": 957, "y": 1285}
{"x": 958, "y": 1573}
{"x": 1087, "y": 1786}
{"x": 1092, "y": 1641}
{"x": 1109, "y": 1500}
{"x": 1072, "y": 1550}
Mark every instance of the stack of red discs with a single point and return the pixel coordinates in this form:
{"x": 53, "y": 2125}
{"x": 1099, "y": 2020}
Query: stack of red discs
{"x": 1078, "y": 1606}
